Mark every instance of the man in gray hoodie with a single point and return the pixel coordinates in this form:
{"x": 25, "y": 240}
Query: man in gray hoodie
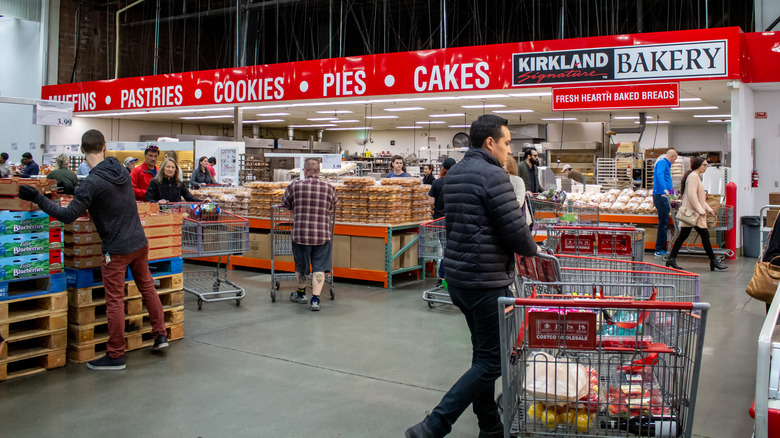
{"x": 108, "y": 194}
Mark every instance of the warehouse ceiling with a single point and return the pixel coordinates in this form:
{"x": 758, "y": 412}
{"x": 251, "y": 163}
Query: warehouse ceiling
{"x": 444, "y": 110}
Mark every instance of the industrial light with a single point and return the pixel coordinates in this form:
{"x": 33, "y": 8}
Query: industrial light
{"x": 429, "y": 122}
{"x": 323, "y": 119}
{"x": 335, "y": 112}
{"x": 694, "y": 108}
{"x": 205, "y": 117}
{"x": 535, "y": 94}
{"x": 561, "y": 119}
{"x": 711, "y": 116}
{"x": 381, "y": 117}
{"x": 411, "y": 108}
{"x": 491, "y": 105}
{"x": 408, "y": 127}
{"x": 264, "y": 121}
{"x": 512, "y": 111}
{"x": 448, "y": 115}
{"x": 361, "y": 128}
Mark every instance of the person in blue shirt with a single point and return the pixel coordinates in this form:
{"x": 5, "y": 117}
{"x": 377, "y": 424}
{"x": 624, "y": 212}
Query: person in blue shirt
{"x": 662, "y": 186}
{"x": 30, "y": 166}
{"x": 399, "y": 168}
{"x": 83, "y": 169}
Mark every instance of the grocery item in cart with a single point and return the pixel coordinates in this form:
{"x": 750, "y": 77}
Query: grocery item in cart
{"x": 555, "y": 380}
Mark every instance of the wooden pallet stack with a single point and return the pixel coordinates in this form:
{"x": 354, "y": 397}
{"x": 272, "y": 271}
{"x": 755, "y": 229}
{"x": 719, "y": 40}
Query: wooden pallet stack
{"x": 87, "y": 324}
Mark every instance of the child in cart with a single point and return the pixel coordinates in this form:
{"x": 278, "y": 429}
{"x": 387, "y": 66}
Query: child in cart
{"x": 108, "y": 194}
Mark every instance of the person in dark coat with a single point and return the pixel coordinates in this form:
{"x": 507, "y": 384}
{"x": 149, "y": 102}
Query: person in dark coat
{"x": 428, "y": 174}
{"x": 485, "y": 228}
{"x": 167, "y": 186}
{"x": 528, "y": 169}
{"x": 66, "y": 178}
{"x": 201, "y": 174}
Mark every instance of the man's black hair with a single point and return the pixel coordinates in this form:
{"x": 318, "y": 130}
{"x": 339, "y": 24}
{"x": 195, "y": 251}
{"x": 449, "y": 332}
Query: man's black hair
{"x": 485, "y": 126}
{"x": 4, "y": 155}
{"x": 527, "y": 152}
{"x": 212, "y": 160}
{"x": 27, "y": 155}
{"x": 92, "y": 142}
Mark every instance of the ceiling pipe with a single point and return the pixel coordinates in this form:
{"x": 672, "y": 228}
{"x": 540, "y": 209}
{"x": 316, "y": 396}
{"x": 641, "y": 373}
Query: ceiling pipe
{"x": 116, "y": 61}
{"x": 214, "y": 12}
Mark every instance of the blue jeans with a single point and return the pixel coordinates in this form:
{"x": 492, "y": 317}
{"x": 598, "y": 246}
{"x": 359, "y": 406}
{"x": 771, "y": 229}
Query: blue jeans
{"x": 661, "y": 203}
{"x": 477, "y": 386}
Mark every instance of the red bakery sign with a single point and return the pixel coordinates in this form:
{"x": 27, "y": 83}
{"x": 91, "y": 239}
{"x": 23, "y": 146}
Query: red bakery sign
{"x": 616, "y": 96}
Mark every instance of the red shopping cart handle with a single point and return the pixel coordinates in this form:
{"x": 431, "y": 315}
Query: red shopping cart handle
{"x": 601, "y": 303}
{"x": 569, "y": 227}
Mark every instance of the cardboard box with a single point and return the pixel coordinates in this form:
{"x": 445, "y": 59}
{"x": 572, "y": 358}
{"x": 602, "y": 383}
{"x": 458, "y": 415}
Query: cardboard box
{"x": 654, "y": 153}
{"x": 165, "y": 253}
{"x": 82, "y": 238}
{"x": 19, "y": 222}
{"x": 24, "y": 244}
{"x": 774, "y": 198}
{"x": 164, "y": 242}
{"x": 83, "y": 250}
{"x": 81, "y": 225}
{"x": 155, "y": 220}
{"x": 145, "y": 208}
{"x": 10, "y": 186}
{"x": 165, "y": 230}
{"x": 369, "y": 253}
{"x": 17, "y": 204}
{"x": 24, "y": 266}
{"x": 628, "y": 148}
{"x": 342, "y": 251}
{"x": 411, "y": 256}
{"x": 84, "y": 262}
{"x": 771, "y": 216}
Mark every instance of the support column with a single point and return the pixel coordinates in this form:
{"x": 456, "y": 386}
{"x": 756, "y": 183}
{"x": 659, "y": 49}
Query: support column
{"x": 238, "y": 123}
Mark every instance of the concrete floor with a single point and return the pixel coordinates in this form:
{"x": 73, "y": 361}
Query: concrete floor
{"x": 370, "y": 364}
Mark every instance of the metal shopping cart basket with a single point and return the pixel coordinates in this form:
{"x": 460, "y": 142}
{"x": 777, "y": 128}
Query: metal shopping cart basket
{"x": 722, "y": 221}
{"x": 564, "y": 374}
{"x": 433, "y": 241}
{"x": 584, "y": 273}
{"x": 619, "y": 242}
{"x": 213, "y": 234}
{"x": 282, "y": 221}
{"x": 766, "y": 406}
{"x": 551, "y": 213}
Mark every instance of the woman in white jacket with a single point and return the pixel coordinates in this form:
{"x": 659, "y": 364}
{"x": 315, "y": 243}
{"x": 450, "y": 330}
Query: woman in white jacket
{"x": 510, "y": 165}
{"x": 694, "y": 198}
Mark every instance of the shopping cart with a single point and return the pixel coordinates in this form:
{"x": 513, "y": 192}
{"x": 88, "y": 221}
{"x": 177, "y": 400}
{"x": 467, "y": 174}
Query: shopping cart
{"x": 581, "y": 274}
{"x": 620, "y": 242}
{"x": 766, "y": 406}
{"x": 565, "y": 374}
{"x": 281, "y": 245}
{"x": 551, "y": 213}
{"x": 433, "y": 241}
{"x": 212, "y": 234}
{"x": 722, "y": 221}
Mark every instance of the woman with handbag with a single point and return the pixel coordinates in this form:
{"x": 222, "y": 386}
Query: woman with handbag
{"x": 693, "y": 214}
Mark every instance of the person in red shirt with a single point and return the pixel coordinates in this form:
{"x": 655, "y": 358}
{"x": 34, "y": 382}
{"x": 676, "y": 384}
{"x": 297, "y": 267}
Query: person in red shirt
{"x": 212, "y": 163}
{"x": 143, "y": 174}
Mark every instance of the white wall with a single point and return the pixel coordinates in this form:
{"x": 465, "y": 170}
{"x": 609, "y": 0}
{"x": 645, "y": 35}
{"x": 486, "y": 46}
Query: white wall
{"x": 126, "y": 130}
{"x": 407, "y": 141}
{"x": 19, "y": 77}
{"x": 697, "y": 138}
{"x": 767, "y": 134}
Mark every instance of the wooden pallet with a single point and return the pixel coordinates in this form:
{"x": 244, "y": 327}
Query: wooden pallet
{"x": 97, "y": 294}
{"x": 96, "y": 312}
{"x": 31, "y": 362}
{"x": 22, "y": 309}
{"x": 97, "y": 331}
{"x": 133, "y": 341}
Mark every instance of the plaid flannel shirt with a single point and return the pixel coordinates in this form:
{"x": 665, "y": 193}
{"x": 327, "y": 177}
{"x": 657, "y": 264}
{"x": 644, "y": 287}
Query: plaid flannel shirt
{"x": 311, "y": 201}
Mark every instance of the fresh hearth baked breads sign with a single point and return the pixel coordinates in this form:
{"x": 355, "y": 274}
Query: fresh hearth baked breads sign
{"x": 681, "y": 55}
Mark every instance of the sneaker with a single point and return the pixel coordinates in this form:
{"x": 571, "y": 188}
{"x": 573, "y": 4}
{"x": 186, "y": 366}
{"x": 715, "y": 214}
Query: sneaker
{"x": 107, "y": 363}
{"x": 315, "y": 303}
{"x": 660, "y": 253}
{"x": 160, "y": 342}
{"x": 299, "y": 296}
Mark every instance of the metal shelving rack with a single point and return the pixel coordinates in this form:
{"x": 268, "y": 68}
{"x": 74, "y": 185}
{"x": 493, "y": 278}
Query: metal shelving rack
{"x": 252, "y": 168}
{"x": 649, "y": 167}
{"x": 606, "y": 173}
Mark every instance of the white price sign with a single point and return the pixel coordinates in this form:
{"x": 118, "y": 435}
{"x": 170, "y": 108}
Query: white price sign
{"x": 331, "y": 161}
{"x": 53, "y": 113}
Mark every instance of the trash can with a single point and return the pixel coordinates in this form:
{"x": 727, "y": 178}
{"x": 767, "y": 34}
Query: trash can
{"x": 751, "y": 239}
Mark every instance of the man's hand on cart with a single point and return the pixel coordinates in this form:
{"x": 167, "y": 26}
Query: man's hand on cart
{"x": 162, "y": 201}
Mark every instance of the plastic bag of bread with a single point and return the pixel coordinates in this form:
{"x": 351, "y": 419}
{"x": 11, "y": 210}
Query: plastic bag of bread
{"x": 645, "y": 208}
{"x": 636, "y": 200}
{"x": 613, "y": 192}
{"x": 624, "y": 198}
{"x": 605, "y": 206}
{"x": 633, "y": 208}
{"x": 618, "y": 207}
{"x": 642, "y": 192}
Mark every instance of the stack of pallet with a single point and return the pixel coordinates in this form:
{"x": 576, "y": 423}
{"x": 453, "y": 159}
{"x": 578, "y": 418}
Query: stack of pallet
{"x": 33, "y": 304}
{"x": 352, "y": 205}
{"x": 87, "y": 324}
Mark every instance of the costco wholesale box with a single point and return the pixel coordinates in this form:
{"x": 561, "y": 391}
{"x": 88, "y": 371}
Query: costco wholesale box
{"x": 369, "y": 253}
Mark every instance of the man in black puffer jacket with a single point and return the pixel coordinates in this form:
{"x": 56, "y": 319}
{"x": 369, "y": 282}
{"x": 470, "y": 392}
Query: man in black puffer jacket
{"x": 108, "y": 194}
{"x": 485, "y": 228}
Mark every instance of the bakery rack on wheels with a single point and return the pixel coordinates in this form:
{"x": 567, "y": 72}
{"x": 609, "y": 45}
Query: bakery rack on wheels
{"x": 612, "y": 242}
{"x": 281, "y": 245}
{"x": 433, "y": 241}
{"x": 723, "y": 220}
{"x": 551, "y": 213}
{"x": 565, "y": 372}
{"x": 213, "y": 235}
{"x": 766, "y": 405}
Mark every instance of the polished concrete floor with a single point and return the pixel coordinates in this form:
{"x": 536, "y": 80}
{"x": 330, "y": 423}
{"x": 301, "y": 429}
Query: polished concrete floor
{"x": 370, "y": 364}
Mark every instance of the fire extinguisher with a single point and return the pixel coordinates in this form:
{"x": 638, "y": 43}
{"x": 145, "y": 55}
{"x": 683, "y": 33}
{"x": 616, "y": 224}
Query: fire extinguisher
{"x": 754, "y": 178}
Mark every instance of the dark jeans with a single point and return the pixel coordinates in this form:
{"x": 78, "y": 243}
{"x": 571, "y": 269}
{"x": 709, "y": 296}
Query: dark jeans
{"x": 661, "y": 203}
{"x": 685, "y": 232}
{"x": 477, "y": 386}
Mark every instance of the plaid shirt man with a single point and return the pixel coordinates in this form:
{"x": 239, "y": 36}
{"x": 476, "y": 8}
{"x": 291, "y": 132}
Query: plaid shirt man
{"x": 310, "y": 200}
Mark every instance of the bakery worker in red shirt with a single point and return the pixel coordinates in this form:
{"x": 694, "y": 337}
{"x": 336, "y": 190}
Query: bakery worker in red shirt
{"x": 143, "y": 174}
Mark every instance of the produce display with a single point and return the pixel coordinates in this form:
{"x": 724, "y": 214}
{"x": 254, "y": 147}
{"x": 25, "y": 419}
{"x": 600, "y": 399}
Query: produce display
{"x": 616, "y": 201}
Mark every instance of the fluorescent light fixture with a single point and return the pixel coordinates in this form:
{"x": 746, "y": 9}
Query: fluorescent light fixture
{"x": 432, "y": 99}
{"x": 448, "y": 115}
{"x": 689, "y": 99}
{"x": 655, "y": 122}
{"x": 381, "y": 117}
{"x": 718, "y": 121}
{"x": 681, "y": 108}
{"x": 350, "y": 129}
{"x": 712, "y": 116}
{"x": 272, "y": 114}
{"x": 323, "y": 125}
{"x": 323, "y": 119}
{"x": 335, "y": 112}
{"x": 626, "y": 117}
{"x": 346, "y": 121}
{"x": 408, "y": 127}
{"x": 512, "y": 111}
{"x": 488, "y": 105}
{"x": 460, "y": 126}
{"x": 205, "y": 117}
{"x": 411, "y": 108}
{"x": 483, "y": 96}
{"x": 429, "y": 122}
{"x": 397, "y": 99}
{"x": 263, "y": 121}
{"x": 536, "y": 94}
{"x": 561, "y": 119}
